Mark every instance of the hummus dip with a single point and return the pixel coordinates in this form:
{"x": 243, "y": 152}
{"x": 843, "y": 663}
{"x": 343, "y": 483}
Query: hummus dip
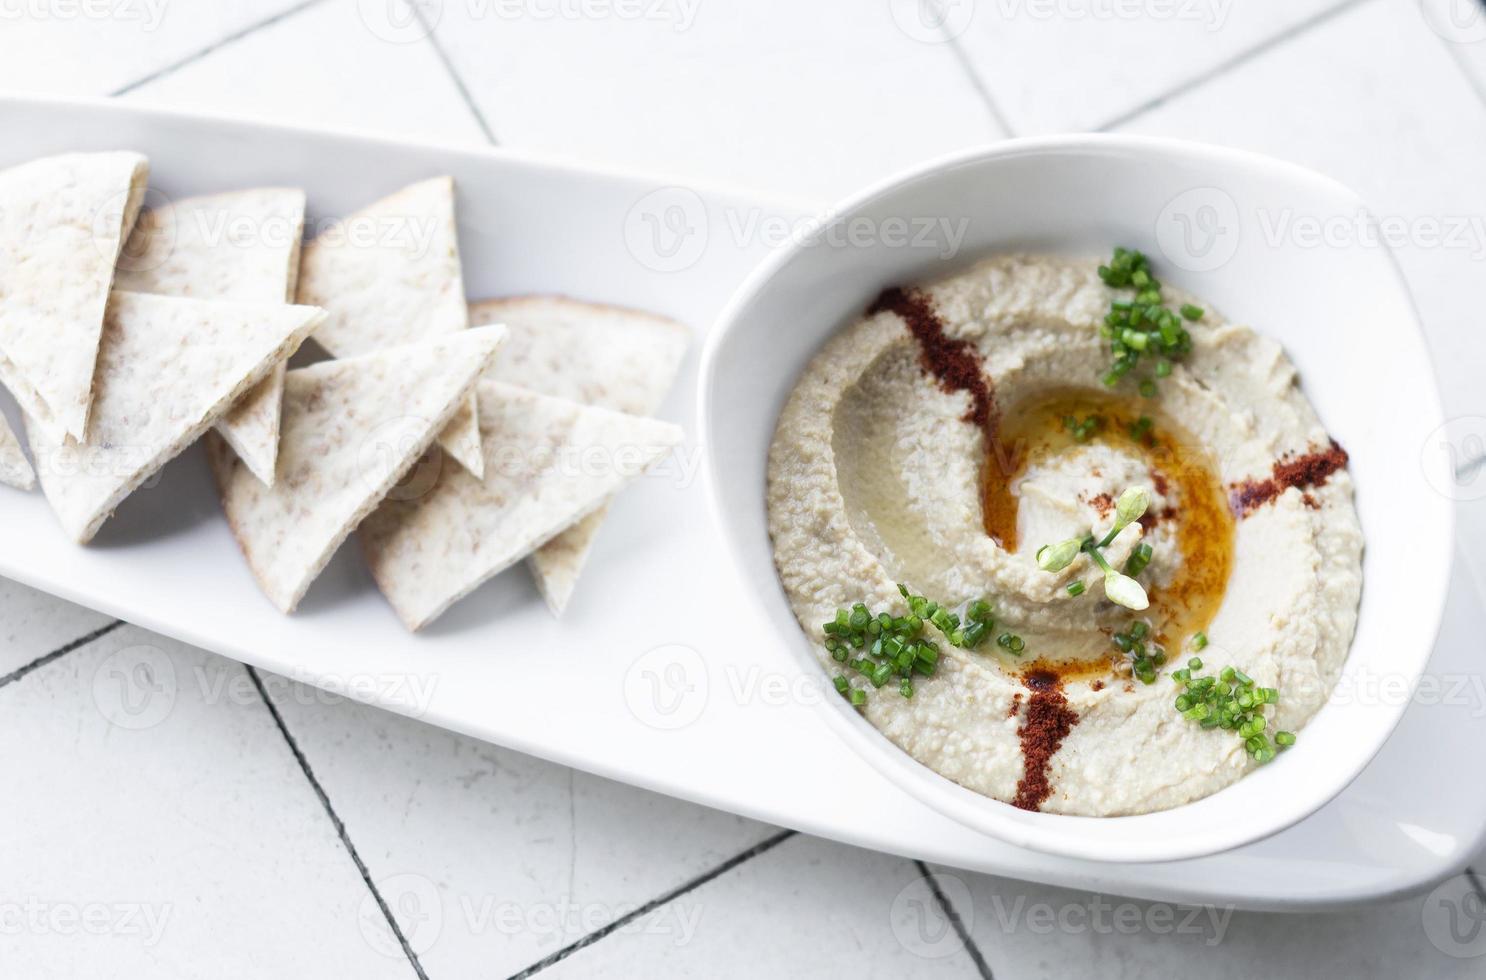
{"x": 943, "y": 439}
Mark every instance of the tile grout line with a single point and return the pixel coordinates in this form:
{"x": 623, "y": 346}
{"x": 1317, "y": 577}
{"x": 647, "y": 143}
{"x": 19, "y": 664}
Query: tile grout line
{"x": 222, "y": 42}
{"x": 954, "y": 920}
{"x": 61, "y": 651}
{"x": 1470, "y": 77}
{"x": 1475, "y": 882}
{"x": 1456, "y": 50}
{"x": 979, "y": 84}
{"x": 335, "y": 820}
{"x": 655, "y": 903}
{"x": 464, "y": 92}
{"x": 1224, "y": 67}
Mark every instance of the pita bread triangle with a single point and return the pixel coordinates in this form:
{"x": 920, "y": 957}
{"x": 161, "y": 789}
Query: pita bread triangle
{"x": 167, "y": 370}
{"x": 548, "y": 462}
{"x": 608, "y": 356}
{"x": 389, "y": 275}
{"x": 241, "y": 246}
{"x": 350, "y": 431}
{"x": 62, "y": 221}
{"x": 14, "y": 468}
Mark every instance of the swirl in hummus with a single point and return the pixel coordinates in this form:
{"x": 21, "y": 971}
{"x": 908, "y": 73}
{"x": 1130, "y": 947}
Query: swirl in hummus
{"x": 958, "y": 427}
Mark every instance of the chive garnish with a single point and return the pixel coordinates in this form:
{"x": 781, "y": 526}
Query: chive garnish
{"x": 1233, "y": 702}
{"x": 1141, "y": 324}
{"x": 895, "y": 646}
{"x": 1083, "y": 429}
{"x": 1140, "y": 429}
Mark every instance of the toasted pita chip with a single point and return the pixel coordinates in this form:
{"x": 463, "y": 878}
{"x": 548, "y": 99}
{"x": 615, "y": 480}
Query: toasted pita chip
{"x": 168, "y": 368}
{"x": 62, "y": 220}
{"x": 599, "y": 355}
{"x": 15, "y": 470}
{"x": 241, "y": 246}
{"x": 351, "y": 429}
{"x": 548, "y": 462}
{"x": 389, "y": 274}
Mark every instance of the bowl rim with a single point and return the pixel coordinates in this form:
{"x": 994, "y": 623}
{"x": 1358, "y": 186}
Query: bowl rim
{"x": 1058, "y": 834}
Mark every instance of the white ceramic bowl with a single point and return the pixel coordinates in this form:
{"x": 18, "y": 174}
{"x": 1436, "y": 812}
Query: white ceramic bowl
{"x": 1268, "y": 243}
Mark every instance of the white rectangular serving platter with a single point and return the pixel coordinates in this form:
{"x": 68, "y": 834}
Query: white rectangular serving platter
{"x": 652, "y": 677}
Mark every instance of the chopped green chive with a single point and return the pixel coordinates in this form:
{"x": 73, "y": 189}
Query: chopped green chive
{"x": 1083, "y": 429}
{"x": 1075, "y": 588}
{"x": 1139, "y": 559}
{"x": 1199, "y": 640}
{"x": 894, "y": 646}
{"x": 1232, "y": 702}
{"x": 1141, "y": 324}
{"x": 1140, "y": 429}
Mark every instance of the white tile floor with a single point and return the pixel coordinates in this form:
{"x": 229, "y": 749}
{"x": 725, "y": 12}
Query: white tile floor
{"x": 172, "y": 822}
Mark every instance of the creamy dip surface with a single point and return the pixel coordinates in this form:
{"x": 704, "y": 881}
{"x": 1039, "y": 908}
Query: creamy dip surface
{"x": 947, "y": 436}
